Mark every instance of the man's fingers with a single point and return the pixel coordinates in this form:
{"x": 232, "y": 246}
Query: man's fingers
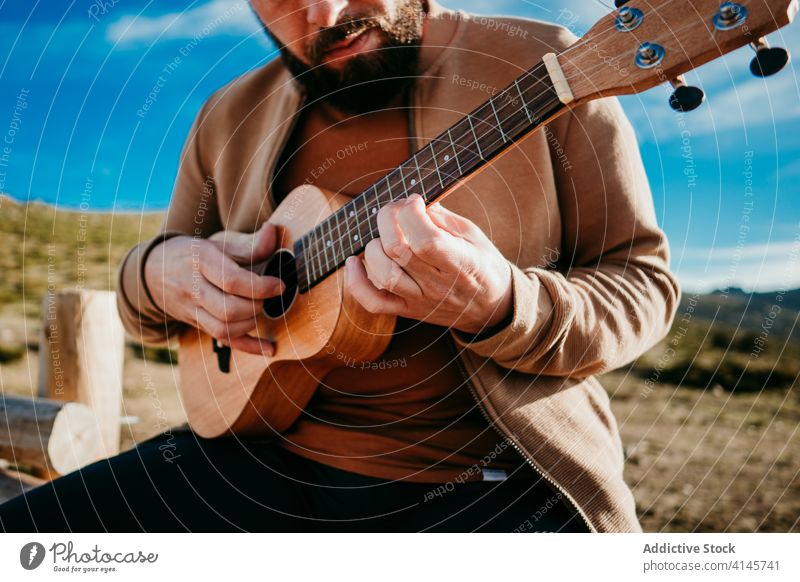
{"x": 453, "y": 223}
{"x": 384, "y": 273}
{"x": 223, "y": 272}
{"x": 245, "y": 248}
{"x": 426, "y": 240}
{"x": 227, "y": 307}
{"x": 253, "y": 345}
{"x": 234, "y": 334}
{"x": 371, "y": 298}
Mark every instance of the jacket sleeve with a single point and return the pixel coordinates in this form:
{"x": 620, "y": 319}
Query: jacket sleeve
{"x": 192, "y": 212}
{"x": 612, "y": 296}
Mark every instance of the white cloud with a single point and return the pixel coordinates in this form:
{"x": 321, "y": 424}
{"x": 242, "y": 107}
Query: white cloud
{"x": 759, "y": 277}
{"x": 217, "y": 17}
{"x": 762, "y": 267}
{"x": 775, "y": 250}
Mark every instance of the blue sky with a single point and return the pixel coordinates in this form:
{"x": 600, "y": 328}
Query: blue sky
{"x": 75, "y": 77}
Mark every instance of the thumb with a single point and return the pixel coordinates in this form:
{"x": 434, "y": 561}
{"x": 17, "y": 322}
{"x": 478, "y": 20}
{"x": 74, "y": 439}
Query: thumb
{"x": 246, "y": 248}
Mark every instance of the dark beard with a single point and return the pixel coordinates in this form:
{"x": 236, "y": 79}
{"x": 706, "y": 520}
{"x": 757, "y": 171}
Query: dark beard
{"x": 367, "y": 82}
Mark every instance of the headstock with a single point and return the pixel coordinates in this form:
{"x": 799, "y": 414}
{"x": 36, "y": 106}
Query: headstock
{"x": 648, "y": 42}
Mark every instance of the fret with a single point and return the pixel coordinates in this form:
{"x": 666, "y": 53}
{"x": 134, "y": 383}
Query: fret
{"x": 309, "y": 278}
{"x": 419, "y": 175}
{"x": 330, "y": 243}
{"x": 522, "y": 99}
{"x": 376, "y": 209}
{"x": 320, "y": 251}
{"x": 474, "y": 136}
{"x": 513, "y": 120}
{"x": 298, "y": 259}
{"x": 345, "y": 236}
{"x": 499, "y": 124}
{"x": 403, "y": 179}
{"x": 314, "y": 256}
{"x": 486, "y": 125}
{"x": 338, "y": 239}
{"x": 436, "y": 163}
{"x": 372, "y": 204}
{"x": 425, "y": 173}
{"x": 372, "y": 222}
{"x": 326, "y": 245}
{"x": 389, "y": 186}
{"x": 359, "y": 235}
{"x": 466, "y": 150}
{"x": 351, "y": 217}
{"x": 455, "y": 153}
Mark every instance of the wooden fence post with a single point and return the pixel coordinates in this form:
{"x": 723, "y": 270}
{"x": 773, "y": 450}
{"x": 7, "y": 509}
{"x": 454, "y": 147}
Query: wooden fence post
{"x": 81, "y": 356}
{"x": 51, "y": 436}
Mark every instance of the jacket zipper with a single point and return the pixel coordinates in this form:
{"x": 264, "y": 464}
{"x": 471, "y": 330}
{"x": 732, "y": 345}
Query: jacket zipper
{"x": 535, "y": 466}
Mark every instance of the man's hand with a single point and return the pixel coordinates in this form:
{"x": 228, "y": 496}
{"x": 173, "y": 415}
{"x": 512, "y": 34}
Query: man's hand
{"x": 432, "y": 265}
{"x": 201, "y": 282}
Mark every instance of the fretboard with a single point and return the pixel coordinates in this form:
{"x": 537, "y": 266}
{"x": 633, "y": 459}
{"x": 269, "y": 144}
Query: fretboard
{"x": 451, "y": 156}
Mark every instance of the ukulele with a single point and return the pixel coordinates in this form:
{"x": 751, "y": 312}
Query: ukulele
{"x": 317, "y": 326}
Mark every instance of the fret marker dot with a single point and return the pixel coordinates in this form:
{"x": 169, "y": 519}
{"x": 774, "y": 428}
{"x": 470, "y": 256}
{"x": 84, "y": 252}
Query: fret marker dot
{"x": 413, "y": 181}
{"x": 355, "y": 237}
{"x": 329, "y": 243}
{"x": 447, "y": 157}
{"x": 352, "y": 213}
{"x": 374, "y": 210}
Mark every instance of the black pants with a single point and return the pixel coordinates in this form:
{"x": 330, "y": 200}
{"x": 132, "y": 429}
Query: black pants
{"x": 181, "y": 482}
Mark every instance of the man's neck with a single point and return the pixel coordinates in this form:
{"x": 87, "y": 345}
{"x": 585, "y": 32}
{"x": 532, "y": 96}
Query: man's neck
{"x": 438, "y": 29}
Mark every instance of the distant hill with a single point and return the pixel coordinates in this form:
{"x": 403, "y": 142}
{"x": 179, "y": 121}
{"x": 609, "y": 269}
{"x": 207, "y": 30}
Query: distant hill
{"x": 48, "y": 246}
{"x": 731, "y": 339}
{"x": 738, "y": 308}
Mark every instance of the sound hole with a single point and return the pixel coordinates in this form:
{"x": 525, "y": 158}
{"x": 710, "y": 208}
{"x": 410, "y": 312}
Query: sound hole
{"x": 281, "y": 265}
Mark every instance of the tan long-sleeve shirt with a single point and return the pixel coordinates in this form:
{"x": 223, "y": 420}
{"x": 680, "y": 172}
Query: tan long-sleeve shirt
{"x": 591, "y": 284}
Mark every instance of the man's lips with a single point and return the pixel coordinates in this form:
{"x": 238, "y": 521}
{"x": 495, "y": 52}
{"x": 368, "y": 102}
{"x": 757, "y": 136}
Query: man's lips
{"x": 348, "y": 46}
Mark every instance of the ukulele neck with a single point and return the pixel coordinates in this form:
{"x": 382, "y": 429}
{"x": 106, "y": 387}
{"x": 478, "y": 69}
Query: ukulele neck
{"x": 525, "y": 104}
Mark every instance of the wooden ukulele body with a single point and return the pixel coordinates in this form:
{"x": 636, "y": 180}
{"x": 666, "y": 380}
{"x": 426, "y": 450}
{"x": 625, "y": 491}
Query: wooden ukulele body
{"x": 322, "y": 329}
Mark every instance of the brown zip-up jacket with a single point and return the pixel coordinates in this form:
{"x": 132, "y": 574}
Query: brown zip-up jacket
{"x": 570, "y": 209}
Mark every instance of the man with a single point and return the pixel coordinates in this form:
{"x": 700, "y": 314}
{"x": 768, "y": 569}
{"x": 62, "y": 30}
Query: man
{"x": 543, "y": 270}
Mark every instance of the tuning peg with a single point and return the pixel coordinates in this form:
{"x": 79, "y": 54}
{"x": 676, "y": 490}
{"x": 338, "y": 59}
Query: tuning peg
{"x": 620, "y": 3}
{"x": 685, "y": 97}
{"x": 767, "y": 61}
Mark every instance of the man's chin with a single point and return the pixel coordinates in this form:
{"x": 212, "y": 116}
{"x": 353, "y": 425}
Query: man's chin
{"x": 362, "y": 83}
{"x": 361, "y": 47}
{"x": 367, "y": 96}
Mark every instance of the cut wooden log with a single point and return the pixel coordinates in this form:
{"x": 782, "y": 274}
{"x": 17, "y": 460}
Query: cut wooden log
{"x": 81, "y": 356}
{"x": 51, "y": 436}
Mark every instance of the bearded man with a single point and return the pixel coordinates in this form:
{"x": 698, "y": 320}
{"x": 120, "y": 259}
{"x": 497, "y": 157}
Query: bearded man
{"x": 484, "y": 413}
